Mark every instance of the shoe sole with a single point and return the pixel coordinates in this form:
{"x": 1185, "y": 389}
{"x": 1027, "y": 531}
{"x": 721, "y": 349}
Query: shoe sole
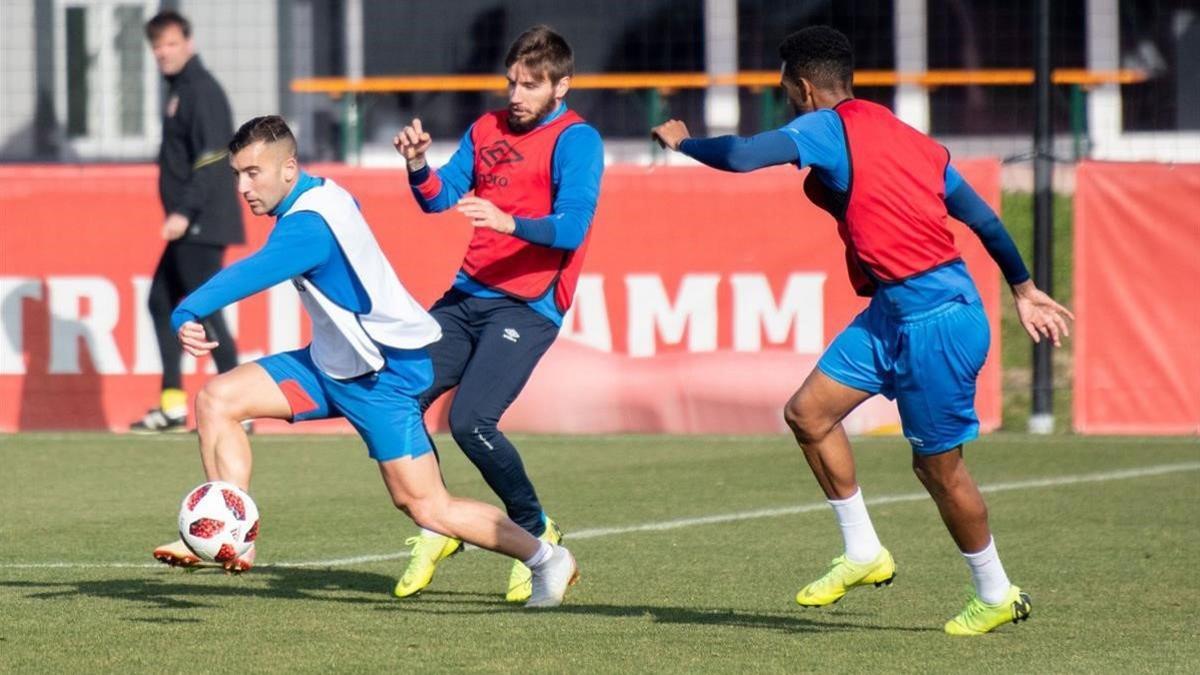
{"x": 172, "y": 560}
{"x": 878, "y": 584}
{"x": 239, "y": 567}
{"x": 192, "y": 562}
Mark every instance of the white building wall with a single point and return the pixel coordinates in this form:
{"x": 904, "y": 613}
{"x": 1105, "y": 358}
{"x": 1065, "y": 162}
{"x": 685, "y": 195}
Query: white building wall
{"x": 18, "y": 78}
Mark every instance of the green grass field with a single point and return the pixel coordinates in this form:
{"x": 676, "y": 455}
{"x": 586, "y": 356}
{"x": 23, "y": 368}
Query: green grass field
{"x": 1102, "y": 532}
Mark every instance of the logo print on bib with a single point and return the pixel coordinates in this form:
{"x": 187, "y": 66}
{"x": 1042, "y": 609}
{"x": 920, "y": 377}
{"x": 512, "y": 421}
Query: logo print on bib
{"x": 511, "y": 334}
{"x": 499, "y": 153}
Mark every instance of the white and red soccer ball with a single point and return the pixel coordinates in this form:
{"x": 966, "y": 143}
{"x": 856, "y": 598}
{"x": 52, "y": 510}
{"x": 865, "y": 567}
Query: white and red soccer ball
{"x": 218, "y": 521}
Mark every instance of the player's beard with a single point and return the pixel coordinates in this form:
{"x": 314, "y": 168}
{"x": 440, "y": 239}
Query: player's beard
{"x": 521, "y": 126}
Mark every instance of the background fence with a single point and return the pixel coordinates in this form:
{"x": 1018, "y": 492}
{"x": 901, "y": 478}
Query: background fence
{"x": 78, "y": 82}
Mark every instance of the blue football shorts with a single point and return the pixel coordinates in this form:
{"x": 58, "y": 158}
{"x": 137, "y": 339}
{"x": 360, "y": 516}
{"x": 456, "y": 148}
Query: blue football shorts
{"x": 381, "y": 406}
{"x": 927, "y": 362}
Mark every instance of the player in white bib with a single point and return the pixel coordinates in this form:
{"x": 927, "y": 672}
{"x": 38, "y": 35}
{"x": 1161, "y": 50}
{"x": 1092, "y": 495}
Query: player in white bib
{"x": 367, "y": 360}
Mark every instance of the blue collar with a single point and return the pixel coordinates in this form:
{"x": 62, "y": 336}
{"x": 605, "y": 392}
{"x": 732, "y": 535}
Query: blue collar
{"x": 558, "y": 112}
{"x": 303, "y": 184}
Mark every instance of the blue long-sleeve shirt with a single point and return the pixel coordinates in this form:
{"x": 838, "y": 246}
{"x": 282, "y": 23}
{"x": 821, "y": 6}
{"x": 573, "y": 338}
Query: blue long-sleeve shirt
{"x": 576, "y": 168}
{"x": 300, "y": 244}
{"x": 817, "y": 140}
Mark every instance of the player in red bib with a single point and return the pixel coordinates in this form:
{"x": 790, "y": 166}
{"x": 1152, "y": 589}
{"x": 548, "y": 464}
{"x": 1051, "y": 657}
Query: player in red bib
{"x": 534, "y": 168}
{"x": 924, "y": 336}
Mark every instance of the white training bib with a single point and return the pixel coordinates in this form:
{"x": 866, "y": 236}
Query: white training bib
{"x": 345, "y": 344}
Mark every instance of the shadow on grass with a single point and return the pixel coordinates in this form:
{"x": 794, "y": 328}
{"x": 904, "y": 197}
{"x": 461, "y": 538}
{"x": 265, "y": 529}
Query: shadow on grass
{"x": 178, "y": 590}
{"x": 801, "y": 621}
{"x": 182, "y": 590}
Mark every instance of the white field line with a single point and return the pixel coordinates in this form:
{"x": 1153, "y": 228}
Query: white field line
{"x": 597, "y": 532}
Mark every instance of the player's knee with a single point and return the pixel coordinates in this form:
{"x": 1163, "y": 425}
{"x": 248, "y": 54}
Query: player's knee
{"x": 807, "y": 427}
{"x": 215, "y": 401}
{"x": 938, "y": 476}
{"x": 922, "y": 473}
{"x": 426, "y": 512}
{"x": 468, "y": 428}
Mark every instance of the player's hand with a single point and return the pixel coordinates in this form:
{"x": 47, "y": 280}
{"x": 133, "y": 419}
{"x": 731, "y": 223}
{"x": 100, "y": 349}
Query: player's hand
{"x": 174, "y": 226}
{"x": 194, "y": 340}
{"x": 1040, "y": 314}
{"x": 412, "y": 142}
{"x": 670, "y": 134}
{"x": 486, "y": 214}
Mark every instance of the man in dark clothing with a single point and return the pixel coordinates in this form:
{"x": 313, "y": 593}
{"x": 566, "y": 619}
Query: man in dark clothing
{"x": 200, "y": 201}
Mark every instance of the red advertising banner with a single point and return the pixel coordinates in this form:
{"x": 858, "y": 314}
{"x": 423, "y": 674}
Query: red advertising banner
{"x": 1137, "y": 298}
{"x": 705, "y": 301}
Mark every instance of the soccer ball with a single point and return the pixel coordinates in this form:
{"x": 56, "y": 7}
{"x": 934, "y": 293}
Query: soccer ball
{"x": 218, "y": 521}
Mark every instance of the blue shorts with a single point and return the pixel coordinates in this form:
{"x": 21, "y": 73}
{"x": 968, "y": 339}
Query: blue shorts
{"x": 927, "y": 361}
{"x": 381, "y": 406}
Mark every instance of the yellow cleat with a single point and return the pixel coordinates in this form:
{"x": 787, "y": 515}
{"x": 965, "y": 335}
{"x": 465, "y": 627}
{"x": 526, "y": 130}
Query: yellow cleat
{"x": 845, "y": 574}
{"x": 979, "y": 617}
{"x": 427, "y": 552}
{"x": 520, "y": 580}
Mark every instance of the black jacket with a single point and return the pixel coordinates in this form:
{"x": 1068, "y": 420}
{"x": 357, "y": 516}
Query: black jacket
{"x": 194, "y": 178}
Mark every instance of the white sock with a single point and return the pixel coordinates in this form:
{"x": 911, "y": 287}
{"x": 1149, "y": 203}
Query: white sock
{"x": 862, "y": 544}
{"x": 430, "y": 533}
{"x": 545, "y": 550}
{"x": 991, "y": 583}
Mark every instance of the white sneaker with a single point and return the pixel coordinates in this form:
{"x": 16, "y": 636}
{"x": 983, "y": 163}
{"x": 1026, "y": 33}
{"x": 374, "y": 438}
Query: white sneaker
{"x": 551, "y": 579}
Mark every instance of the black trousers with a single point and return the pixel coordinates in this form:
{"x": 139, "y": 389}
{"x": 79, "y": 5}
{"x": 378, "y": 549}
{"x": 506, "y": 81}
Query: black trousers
{"x": 181, "y": 269}
{"x": 488, "y": 349}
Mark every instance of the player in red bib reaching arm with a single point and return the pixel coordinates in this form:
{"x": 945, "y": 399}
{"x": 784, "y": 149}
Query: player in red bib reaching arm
{"x": 924, "y": 336}
{"x": 534, "y": 168}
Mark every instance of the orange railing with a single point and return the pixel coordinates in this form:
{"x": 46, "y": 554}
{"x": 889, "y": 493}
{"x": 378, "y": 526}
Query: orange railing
{"x": 752, "y": 79}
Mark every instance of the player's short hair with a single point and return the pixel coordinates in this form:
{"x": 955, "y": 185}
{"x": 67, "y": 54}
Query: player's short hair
{"x": 819, "y": 54}
{"x": 267, "y": 129}
{"x": 165, "y": 19}
{"x": 542, "y": 51}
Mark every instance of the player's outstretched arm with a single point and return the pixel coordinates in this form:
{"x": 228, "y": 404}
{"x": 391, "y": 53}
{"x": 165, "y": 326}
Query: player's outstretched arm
{"x": 298, "y": 244}
{"x": 729, "y": 153}
{"x": 670, "y": 134}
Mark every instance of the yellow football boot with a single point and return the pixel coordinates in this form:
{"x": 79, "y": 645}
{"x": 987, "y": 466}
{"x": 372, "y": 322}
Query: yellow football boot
{"x": 427, "y": 551}
{"x": 979, "y": 617}
{"x": 520, "y": 579}
{"x": 845, "y": 574}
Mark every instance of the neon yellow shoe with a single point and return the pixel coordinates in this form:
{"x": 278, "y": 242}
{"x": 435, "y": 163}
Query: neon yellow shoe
{"x": 427, "y": 551}
{"x": 520, "y": 580}
{"x": 979, "y": 617}
{"x": 845, "y": 574}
